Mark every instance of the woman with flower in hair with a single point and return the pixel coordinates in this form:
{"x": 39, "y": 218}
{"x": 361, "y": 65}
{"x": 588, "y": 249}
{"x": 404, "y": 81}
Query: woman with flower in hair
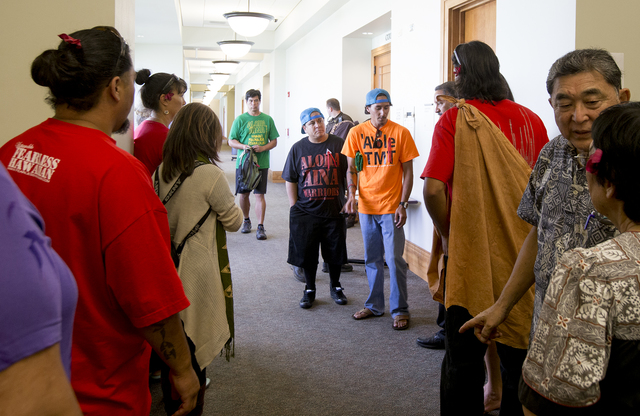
{"x": 162, "y": 97}
{"x": 584, "y": 357}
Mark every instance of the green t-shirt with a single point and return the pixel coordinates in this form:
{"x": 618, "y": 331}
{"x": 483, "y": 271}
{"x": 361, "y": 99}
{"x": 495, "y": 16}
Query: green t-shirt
{"x": 254, "y": 130}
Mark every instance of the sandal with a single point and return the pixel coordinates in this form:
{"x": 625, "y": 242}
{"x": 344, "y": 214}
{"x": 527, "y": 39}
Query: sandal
{"x": 364, "y": 314}
{"x": 398, "y": 319}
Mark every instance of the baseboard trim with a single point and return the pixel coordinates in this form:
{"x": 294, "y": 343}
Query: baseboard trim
{"x": 418, "y": 259}
{"x": 276, "y": 176}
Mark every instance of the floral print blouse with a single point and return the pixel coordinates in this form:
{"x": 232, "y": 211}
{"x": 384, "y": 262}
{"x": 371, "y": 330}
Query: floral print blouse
{"x": 592, "y": 298}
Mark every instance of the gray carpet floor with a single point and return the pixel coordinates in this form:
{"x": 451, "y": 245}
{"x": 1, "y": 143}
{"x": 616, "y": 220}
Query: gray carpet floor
{"x": 318, "y": 361}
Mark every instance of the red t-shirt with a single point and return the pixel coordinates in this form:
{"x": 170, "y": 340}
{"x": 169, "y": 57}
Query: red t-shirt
{"x": 107, "y": 224}
{"x": 523, "y": 129}
{"x": 148, "y": 140}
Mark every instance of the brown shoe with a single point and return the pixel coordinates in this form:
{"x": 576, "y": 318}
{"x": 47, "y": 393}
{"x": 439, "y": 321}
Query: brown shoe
{"x": 400, "y": 322}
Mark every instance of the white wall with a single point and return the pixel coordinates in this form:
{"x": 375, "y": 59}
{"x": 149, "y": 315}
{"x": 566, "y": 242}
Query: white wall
{"x": 356, "y": 77}
{"x": 415, "y": 71}
{"x": 546, "y": 30}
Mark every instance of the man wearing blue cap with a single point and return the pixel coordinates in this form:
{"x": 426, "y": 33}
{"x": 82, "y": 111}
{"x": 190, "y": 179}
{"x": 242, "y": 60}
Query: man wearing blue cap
{"x": 315, "y": 172}
{"x": 382, "y": 152}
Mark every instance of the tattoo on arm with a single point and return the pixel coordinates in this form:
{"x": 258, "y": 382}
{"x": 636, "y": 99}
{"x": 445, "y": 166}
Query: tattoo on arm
{"x": 166, "y": 347}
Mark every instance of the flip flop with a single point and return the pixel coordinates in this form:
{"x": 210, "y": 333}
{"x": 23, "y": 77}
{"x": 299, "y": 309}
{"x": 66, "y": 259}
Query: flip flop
{"x": 364, "y": 313}
{"x": 399, "y": 318}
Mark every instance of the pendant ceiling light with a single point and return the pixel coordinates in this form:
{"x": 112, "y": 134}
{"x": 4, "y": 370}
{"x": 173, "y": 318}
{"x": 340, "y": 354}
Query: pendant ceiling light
{"x": 235, "y": 48}
{"x": 248, "y": 23}
{"x": 218, "y": 78}
{"x": 225, "y": 66}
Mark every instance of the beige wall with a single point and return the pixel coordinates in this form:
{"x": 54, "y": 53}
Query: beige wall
{"x": 29, "y": 27}
{"x": 612, "y": 25}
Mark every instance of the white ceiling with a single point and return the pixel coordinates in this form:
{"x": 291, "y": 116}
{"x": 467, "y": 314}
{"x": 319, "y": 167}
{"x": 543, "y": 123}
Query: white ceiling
{"x": 198, "y": 24}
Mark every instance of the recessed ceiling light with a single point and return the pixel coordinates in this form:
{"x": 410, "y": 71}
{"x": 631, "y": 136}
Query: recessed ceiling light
{"x": 367, "y": 33}
{"x": 140, "y": 36}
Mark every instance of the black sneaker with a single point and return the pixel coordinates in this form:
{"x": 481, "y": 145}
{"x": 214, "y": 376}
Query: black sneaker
{"x": 260, "y": 234}
{"x": 307, "y": 298}
{"x": 298, "y": 273}
{"x": 246, "y": 227}
{"x": 337, "y": 294}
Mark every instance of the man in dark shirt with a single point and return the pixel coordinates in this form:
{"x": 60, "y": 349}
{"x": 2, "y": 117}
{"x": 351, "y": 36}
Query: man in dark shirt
{"x": 315, "y": 175}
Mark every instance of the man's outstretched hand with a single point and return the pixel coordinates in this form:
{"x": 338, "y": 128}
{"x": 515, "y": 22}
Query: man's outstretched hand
{"x": 485, "y": 324}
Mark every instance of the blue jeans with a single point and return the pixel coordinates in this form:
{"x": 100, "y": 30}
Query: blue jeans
{"x": 382, "y": 240}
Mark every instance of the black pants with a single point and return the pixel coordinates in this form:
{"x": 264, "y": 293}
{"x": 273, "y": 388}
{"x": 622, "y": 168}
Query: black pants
{"x": 171, "y": 405}
{"x": 440, "y": 320}
{"x": 463, "y": 373}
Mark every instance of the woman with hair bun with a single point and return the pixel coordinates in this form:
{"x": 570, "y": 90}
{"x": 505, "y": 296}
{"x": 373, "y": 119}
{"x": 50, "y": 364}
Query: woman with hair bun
{"x": 106, "y": 223}
{"x": 162, "y": 97}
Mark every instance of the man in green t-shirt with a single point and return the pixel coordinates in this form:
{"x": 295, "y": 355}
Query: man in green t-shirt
{"x": 257, "y": 130}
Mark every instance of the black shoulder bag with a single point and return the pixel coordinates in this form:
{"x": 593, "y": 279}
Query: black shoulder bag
{"x": 177, "y": 251}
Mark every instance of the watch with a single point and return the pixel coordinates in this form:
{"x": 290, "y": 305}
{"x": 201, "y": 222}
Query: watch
{"x": 404, "y": 205}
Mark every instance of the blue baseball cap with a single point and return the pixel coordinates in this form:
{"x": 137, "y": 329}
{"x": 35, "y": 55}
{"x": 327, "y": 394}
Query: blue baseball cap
{"x": 306, "y": 116}
{"x": 373, "y": 95}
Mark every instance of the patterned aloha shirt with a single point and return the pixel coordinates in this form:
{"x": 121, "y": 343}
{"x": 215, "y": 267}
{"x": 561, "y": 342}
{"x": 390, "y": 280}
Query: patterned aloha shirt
{"x": 557, "y": 201}
{"x": 593, "y": 297}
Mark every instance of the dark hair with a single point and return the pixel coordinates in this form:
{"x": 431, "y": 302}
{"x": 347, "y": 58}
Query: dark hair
{"x": 616, "y": 132}
{"x": 76, "y": 76}
{"x": 585, "y": 60}
{"x": 506, "y": 85}
{"x": 334, "y": 104}
{"x": 448, "y": 87}
{"x": 193, "y": 133}
{"x": 480, "y": 72}
{"x": 153, "y": 86}
{"x": 253, "y": 93}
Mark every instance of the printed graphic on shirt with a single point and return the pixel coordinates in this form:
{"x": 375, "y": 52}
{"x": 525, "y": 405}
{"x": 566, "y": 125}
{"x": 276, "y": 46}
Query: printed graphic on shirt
{"x": 29, "y": 162}
{"x": 320, "y": 174}
{"x": 378, "y": 150}
{"x": 258, "y": 131}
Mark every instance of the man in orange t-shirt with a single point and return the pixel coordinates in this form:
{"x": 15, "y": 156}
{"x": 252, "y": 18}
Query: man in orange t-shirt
{"x": 382, "y": 152}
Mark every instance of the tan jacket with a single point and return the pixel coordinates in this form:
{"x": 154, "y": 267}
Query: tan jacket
{"x": 486, "y": 234}
{"x": 205, "y": 321}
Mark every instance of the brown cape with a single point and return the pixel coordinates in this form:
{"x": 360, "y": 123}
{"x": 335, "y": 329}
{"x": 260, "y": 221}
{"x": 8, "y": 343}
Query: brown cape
{"x": 485, "y": 234}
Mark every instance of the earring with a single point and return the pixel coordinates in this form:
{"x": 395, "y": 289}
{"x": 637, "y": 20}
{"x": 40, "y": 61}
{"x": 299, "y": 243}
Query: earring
{"x": 166, "y": 112}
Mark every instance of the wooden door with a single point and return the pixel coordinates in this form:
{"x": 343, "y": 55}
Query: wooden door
{"x": 480, "y": 24}
{"x": 464, "y": 21}
{"x": 381, "y": 67}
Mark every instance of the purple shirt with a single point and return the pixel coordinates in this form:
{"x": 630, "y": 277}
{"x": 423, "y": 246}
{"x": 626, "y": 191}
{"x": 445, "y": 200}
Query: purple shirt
{"x": 38, "y": 293}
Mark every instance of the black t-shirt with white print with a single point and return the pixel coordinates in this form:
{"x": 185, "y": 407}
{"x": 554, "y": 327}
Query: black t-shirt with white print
{"x": 320, "y": 171}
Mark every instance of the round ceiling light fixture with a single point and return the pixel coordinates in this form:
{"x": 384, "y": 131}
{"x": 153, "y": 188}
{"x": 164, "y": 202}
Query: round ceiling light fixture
{"x": 248, "y": 23}
{"x": 225, "y": 66}
{"x": 235, "y": 48}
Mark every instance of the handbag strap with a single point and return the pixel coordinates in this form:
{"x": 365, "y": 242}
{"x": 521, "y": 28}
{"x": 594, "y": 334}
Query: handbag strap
{"x": 172, "y": 191}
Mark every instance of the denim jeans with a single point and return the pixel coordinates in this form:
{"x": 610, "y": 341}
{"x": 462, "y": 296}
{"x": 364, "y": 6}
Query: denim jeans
{"x": 383, "y": 241}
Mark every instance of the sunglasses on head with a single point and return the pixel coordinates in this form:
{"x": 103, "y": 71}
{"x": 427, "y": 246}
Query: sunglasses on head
{"x": 123, "y": 45}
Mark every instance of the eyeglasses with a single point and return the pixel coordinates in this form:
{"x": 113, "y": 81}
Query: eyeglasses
{"x": 599, "y": 217}
{"x": 123, "y": 46}
{"x": 582, "y": 159}
{"x": 377, "y": 143}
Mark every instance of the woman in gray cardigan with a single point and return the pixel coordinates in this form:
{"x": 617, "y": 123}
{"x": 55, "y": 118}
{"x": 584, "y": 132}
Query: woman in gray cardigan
{"x": 203, "y": 197}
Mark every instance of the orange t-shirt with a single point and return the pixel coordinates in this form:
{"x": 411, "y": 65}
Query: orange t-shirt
{"x": 380, "y": 183}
